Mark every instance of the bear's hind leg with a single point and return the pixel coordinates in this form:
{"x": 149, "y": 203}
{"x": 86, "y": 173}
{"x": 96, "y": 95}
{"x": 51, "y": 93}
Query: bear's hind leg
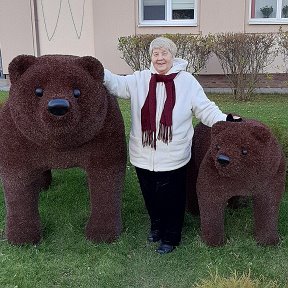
{"x": 212, "y": 222}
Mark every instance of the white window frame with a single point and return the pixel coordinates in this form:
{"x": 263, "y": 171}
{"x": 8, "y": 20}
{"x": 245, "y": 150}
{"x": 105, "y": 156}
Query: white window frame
{"x": 169, "y": 21}
{"x": 277, "y": 20}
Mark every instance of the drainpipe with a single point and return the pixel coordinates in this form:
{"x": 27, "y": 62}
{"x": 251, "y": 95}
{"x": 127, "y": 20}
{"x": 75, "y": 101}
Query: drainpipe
{"x": 35, "y": 26}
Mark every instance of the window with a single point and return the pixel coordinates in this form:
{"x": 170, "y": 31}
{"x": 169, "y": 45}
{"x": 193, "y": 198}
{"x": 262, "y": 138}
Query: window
{"x": 167, "y": 12}
{"x": 269, "y": 11}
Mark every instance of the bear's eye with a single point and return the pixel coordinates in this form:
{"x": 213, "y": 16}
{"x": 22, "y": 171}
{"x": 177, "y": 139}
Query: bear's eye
{"x": 39, "y": 92}
{"x": 217, "y": 146}
{"x": 244, "y": 151}
{"x": 76, "y": 93}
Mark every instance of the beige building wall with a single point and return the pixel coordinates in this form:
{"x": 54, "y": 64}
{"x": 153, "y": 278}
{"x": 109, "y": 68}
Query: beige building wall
{"x": 65, "y": 27}
{"x": 92, "y": 27}
{"x": 113, "y": 19}
{"x": 17, "y": 30}
{"x": 222, "y": 16}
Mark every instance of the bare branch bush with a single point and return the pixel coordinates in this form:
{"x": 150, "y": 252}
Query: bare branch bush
{"x": 135, "y": 50}
{"x": 198, "y": 52}
{"x": 195, "y": 49}
{"x": 243, "y": 57}
{"x": 283, "y": 44}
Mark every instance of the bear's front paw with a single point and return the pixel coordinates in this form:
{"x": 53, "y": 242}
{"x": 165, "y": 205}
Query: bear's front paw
{"x": 267, "y": 240}
{"x": 213, "y": 238}
{"x": 102, "y": 234}
{"x": 26, "y": 233}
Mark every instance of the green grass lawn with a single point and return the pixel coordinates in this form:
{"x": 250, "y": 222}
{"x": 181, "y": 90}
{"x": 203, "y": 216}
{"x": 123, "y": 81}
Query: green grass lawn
{"x": 65, "y": 259}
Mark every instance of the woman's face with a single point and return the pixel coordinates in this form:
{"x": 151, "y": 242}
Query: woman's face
{"x": 162, "y": 60}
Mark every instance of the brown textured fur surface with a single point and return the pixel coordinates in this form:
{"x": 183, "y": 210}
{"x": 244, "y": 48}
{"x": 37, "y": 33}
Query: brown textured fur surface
{"x": 236, "y": 159}
{"x": 90, "y": 135}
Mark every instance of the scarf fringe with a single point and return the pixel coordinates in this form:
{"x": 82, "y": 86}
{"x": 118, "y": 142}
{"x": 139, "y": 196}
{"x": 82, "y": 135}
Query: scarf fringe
{"x": 149, "y": 139}
{"x": 165, "y": 133}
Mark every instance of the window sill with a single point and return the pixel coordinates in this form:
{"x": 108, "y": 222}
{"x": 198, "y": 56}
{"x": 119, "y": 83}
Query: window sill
{"x": 167, "y": 24}
{"x": 268, "y": 21}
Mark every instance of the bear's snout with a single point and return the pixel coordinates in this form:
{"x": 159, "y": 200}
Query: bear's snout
{"x": 58, "y": 107}
{"x": 223, "y": 159}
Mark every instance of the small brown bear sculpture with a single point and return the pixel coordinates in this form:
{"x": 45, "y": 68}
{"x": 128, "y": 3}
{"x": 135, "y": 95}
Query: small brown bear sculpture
{"x": 60, "y": 115}
{"x": 236, "y": 159}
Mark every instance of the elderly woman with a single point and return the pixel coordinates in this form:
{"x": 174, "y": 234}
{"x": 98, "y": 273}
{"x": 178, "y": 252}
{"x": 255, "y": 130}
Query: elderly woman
{"x": 163, "y": 100}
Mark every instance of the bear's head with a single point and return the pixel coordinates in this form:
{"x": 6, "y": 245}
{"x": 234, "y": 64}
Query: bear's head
{"x": 57, "y": 101}
{"x": 241, "y": 150}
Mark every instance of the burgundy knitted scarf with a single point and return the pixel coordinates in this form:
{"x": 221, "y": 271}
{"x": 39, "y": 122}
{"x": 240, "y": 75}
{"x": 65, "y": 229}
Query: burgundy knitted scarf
{"x": 148, "y": 111}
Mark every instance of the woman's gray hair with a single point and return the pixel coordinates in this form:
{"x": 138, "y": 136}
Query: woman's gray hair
{"x": 162, "y": 42}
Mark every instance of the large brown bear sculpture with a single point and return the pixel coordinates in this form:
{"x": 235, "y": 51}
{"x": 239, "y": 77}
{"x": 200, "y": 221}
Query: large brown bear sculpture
{"x": 59, "y": 115}
{"x": 230, "y": 160}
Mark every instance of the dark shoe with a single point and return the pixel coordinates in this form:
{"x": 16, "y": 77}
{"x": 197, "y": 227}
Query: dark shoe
{"x": 165, "y": 248}
{"x": 154, "y": 236}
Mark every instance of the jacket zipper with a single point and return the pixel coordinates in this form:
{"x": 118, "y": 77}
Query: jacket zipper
{"x": 158, "y": 117}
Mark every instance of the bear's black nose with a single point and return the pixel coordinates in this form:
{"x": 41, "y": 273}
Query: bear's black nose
{"x": 223, "y": 159}
{"x": 58, "y": 107}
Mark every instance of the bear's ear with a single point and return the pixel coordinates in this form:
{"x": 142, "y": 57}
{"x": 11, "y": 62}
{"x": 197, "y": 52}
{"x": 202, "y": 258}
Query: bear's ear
{"x": 19, "y": 65}
{"x": 220, "y": 126}
{"x": 261, "y": 133}
{"x": 93, "y": 66}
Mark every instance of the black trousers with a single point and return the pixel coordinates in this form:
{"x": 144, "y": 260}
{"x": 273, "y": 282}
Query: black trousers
{"x": 164, "y": 194}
